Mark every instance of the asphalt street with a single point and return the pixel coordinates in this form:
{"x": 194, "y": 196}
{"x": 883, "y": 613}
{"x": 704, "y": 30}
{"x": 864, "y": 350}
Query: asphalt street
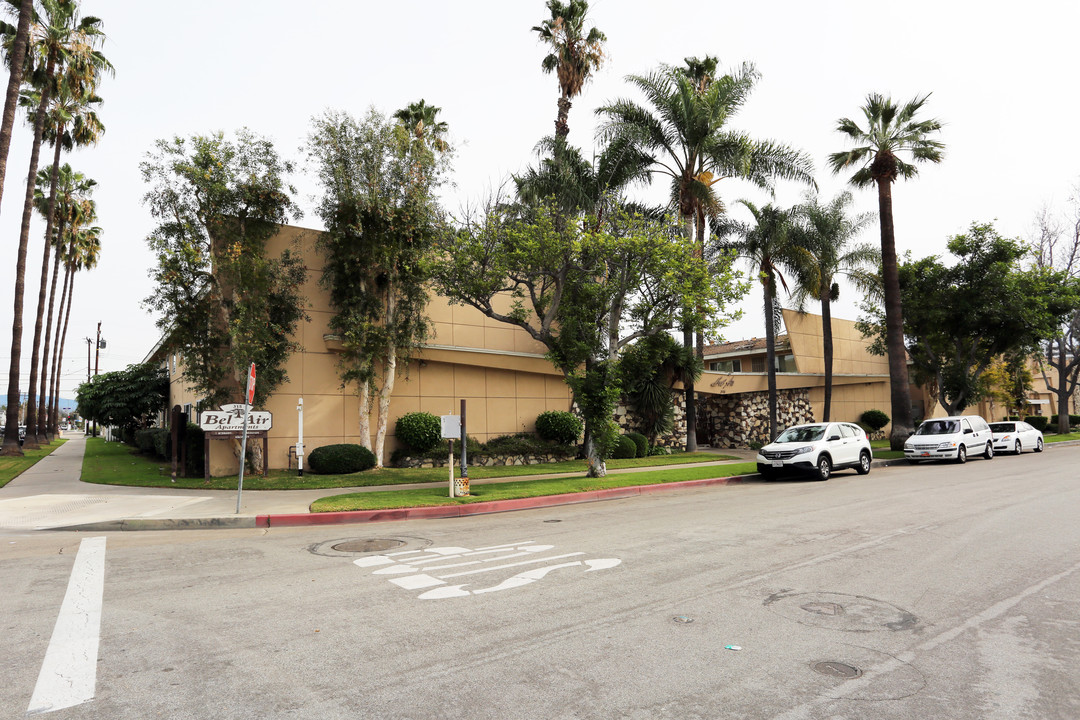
{"x": 936, "y": 591}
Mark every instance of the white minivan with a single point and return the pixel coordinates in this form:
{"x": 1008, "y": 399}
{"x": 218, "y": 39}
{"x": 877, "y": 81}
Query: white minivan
{"x": 950, "y": 438}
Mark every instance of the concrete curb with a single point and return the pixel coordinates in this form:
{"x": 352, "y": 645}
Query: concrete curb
{"x": 484, "y": 508}
{"x": 207, "y": 523}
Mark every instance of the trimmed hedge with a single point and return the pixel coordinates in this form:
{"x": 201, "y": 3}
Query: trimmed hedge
{"x": 875, "y": 419}
{"x": 419, "y": 431}
{"x": 1037, "y": 421}
{"x": 341, "y": 459}
{"x": 1074, "y": 420}
{"x": 625, "y": 448}
{"x": 558, "y": 426}
{"x": 640, "y": 442}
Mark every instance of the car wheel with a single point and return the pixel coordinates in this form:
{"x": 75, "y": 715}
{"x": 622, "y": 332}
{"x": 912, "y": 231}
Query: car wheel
{"x": 767, "y": 474}
{"x": 1038, "y": 445}
{"x": 824, "y": 468}
{"x": 864, "y": 463}
{"x": 1018, "y": 448}
{"x": 961, "y": 455}
{"x": 988, "y": 453}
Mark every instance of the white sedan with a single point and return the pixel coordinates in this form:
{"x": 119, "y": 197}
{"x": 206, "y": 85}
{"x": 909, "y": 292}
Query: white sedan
{"x": 1016, "y": 436}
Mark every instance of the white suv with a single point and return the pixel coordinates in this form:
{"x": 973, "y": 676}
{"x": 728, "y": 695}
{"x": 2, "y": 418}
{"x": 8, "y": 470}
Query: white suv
{"x": 816, "y": 449}
{"x": 950, "y": 438}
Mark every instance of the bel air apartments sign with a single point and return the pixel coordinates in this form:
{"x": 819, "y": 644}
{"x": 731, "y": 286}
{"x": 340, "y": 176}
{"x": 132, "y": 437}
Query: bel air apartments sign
{"x": 230, "y": 419}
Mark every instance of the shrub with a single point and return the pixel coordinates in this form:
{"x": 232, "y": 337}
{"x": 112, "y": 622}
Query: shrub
{"x": 624, "y": 448}
{"x": 658, "y": 450}
{"x": 641, "y": 443}
{"x": 517, "y": 444}
{"x": 162, "y": 443}
{"x": 419, "y": 431}
{"x": 1074, "y": 420}
{"x": 558, "y": 426}
{"x": 875, "y": 419}
{"x": 144, "y": 441}
{"x": 340, "y": 459}
{"x": 1037, "y": 421}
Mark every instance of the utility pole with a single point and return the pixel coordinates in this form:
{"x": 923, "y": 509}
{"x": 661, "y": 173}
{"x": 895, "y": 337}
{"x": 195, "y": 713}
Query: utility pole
{"x": 97, "y": 356}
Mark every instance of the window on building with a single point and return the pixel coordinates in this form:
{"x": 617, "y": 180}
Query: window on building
{"x": 726, "y": 366}
{"x": 785, "y": 363}
{"x": 757, "y": 364}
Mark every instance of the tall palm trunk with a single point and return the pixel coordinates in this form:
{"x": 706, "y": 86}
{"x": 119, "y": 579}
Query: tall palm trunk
{"x": 827, "y": 348}
{"x": 11, "y": 432}
{"x": 770, "y": 361}
{"x": 54, "y": 374}
{"x": 31, "y": 417}
{"x": 11, "y": 100}
{"x": 43, "y": 407}
{"x": 902, "y": 422}
{"x": 562, "y": 127}
{"x": 688, "y": 381}
{"x": 60, "y": 353}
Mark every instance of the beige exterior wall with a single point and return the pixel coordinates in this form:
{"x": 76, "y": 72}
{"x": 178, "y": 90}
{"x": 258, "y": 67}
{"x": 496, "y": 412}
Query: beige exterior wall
{"x": 499, "y": 370}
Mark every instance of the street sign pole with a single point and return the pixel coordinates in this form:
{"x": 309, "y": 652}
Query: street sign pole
{"x": 243, "y": 441}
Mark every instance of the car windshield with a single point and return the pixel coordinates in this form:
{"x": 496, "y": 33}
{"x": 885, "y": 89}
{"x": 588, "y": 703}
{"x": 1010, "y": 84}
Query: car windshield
{"x": 1003, "y": 427}
{"x": 807, "y": 433}
{"x": 938, "y": 427}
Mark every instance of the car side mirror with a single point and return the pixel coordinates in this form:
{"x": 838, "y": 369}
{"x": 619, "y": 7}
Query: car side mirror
{"x": 833, "y": 437}
{"x": 968, "y": 431}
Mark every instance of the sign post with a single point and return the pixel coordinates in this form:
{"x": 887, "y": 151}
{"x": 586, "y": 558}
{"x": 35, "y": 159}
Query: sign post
{"x": 462, "y": 488}
{"x": 243, "y": 443}
{"x": 300, "y": 439}
{"x": 451, "y": 428}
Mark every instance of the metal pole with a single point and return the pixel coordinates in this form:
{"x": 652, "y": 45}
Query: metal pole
{"x": 300, "y": 439}
{"x": 243, "y": 457}
{"x": 451, "y": 466}
{"x": 464, "y": 452}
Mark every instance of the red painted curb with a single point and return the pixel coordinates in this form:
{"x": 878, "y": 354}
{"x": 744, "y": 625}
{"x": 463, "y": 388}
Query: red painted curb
{"x": 482, "y": 508}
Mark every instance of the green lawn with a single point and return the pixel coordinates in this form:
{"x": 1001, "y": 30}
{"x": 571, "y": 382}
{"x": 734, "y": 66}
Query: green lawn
{"x": 391, "y": 499}
{"x": 12, "y": 467}
{"x": 118, "y": 464}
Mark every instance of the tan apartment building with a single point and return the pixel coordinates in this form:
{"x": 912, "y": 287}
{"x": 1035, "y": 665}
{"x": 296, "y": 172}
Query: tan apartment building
{"x": 506, "y": 381}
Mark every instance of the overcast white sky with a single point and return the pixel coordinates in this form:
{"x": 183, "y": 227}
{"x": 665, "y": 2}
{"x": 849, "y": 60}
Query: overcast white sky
{"x": 1002, "y": 77}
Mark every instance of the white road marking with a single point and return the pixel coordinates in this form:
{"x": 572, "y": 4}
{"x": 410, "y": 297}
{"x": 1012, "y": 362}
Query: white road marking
{"x": 509, "y": 565}
{"x": 69, "y": 673}
{"x": 413, "y": 582}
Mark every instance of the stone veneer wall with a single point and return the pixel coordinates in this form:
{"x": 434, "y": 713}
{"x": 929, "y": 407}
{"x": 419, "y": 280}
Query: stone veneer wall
{"x": 735, "y": 421}
{"x": 628, "y": 422}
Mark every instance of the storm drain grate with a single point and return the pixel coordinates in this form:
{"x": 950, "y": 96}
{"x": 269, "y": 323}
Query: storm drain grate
{"x": 837, "y": 669}
{"x": 366, "y": 545}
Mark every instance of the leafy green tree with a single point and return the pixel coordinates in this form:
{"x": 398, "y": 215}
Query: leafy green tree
{"x": 582, "y": 289}
{"x": 222, "y": 301}
{"x": 422, "y": 120}
{"x": 823, "y": 237}
{"x": 574, "y": 55}
{"x": 891, "y": 133}
{"x": 959, "y": 318}
{"x": 1057, "y": 247}
{"x": 382, "y": 220}
{"x": 682, "y": 133}
{"x": 61, "y": 43}
{"x": 650, "y": 368}
{"x": 1008, "y": 381}
{"x": 128, "y": 398}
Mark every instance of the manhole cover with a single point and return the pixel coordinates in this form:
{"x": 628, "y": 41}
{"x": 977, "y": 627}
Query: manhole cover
{"x": 837, "y": 669}
{"x": 367, "y": 545}
{"x": 823, "y": 608}
{"x": 839, "y": 611}
{"x": 351, "y": 547}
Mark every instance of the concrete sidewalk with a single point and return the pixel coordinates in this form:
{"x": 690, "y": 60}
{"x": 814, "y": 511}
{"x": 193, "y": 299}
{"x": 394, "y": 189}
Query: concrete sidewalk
{"x": 50, "y": 496}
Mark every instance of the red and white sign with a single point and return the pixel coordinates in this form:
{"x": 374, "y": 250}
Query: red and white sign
{"x": 251, "y": 385}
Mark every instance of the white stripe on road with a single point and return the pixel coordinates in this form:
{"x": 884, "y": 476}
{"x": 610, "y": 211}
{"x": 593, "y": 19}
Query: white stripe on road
{"x": 69, "y": 674}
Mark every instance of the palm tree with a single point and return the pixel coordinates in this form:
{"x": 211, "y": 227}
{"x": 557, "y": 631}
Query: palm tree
{"x": 15, "y": 42}
{"x": 83, "y": 253}
{"x": 574, "y": 54}
{"x": 823, "y": 238}
{"x": 421, "y": 119}
{"x": 682, "y": 133}
{"x": 769, "y": 247}
{"x": 72, "y": 121}
{"x": 61, "y": 43}
{"x": 891, "y": 131}
{"x": 71, "y": 189}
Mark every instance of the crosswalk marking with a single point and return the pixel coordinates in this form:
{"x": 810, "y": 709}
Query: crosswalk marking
{"x": 68, "y": 674}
